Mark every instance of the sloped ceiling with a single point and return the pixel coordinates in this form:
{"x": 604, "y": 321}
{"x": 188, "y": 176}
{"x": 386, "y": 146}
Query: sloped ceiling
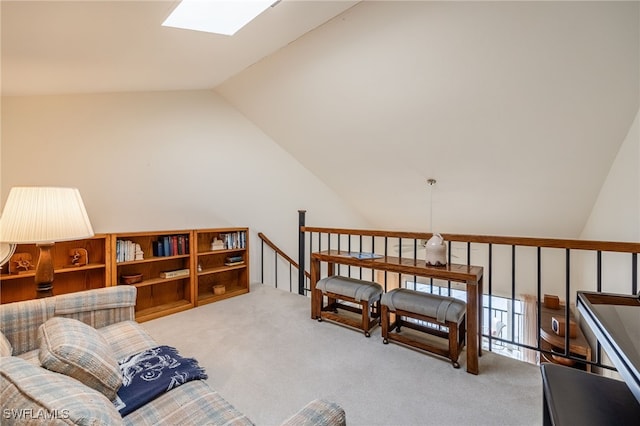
{"x": 89, "y": 46}
{"x": 516, "y": 109}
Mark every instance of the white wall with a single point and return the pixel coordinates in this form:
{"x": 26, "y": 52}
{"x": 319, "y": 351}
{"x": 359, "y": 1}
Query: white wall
{"x": 164, "y": 161}
{"x": 616, "y": 213}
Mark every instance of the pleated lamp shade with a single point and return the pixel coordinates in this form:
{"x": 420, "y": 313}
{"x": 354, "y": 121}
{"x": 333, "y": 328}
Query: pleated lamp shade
{"x": 34, "y": 215}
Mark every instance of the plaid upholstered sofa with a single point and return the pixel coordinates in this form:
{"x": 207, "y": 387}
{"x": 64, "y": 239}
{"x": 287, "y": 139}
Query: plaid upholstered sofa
{"x": 78, "y": 385}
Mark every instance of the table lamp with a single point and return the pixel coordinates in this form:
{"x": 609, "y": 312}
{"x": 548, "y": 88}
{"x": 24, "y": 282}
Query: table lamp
{"x": 43, "y": 216}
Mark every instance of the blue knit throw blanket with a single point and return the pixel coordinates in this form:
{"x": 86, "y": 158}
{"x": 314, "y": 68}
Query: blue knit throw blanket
{"x": 150, "y": 373}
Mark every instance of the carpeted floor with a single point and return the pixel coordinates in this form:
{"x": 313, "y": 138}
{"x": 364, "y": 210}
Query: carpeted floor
{"x": 265, "y": 356}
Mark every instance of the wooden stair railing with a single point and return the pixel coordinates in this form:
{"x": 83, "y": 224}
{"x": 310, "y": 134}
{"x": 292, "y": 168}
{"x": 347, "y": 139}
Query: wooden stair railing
{"x": 279, "y": 253}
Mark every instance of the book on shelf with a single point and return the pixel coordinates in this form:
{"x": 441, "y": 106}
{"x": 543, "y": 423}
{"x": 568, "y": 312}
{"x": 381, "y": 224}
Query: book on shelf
{"x": 175, "y": 274}
{"x": 174, "y": 245}
{"x": 127, "y": 251}
{"x": 158, "y": 248}
{"x": 234, "y": 260}
{"x": 234, "y": 240}
{"x": 182, "y": 244}
{"x": 171, "y": 245}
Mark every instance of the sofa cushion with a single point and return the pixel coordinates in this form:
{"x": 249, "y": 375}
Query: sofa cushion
{"x": 127, "y": 338}
{"x": 193, "y": 403}
{"x": 358, "y": 290}
{"x": 32, "y": 357}
{"x": 73, "y": 348}
{"x": 36, "y": 396}
{"x": 5, "y": 346}
{"x": 19, "y": 322}
{"x": 99, "y": 307}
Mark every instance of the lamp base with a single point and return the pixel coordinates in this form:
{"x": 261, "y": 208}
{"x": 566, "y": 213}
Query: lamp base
{"x": 44, "y": 271}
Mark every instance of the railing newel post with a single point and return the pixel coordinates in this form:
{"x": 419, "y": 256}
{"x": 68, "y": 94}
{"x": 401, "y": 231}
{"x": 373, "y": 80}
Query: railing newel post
{"x": 301, "y": 251}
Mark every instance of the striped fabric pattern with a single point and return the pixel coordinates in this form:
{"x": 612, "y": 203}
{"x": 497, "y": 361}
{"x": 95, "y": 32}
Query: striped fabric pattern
{"x": 192, "y": 403}
{"x": 127, "y": 338}
{"x": 99, "y": 307}
{"x": 5, "y": 346}
{"x": 19, "y": 323}
{"x": 32, "y": 357}
{"x": 319, "y": 412}
{"x": 77, "y": 350}
{"x": 32, "y": 394}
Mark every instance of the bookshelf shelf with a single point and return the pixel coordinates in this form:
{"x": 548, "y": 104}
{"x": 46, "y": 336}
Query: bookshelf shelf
{"x": 221, "y": 269}
{"x": 210, "y": 264}
{"x": 205, "y": 297}
{"x": 155, "y": 281}
{"x": 68, "y": 278}
{"x": 162, "y": 310}
{"x": 151, "y": 254}
{"x": 57, "y": 271}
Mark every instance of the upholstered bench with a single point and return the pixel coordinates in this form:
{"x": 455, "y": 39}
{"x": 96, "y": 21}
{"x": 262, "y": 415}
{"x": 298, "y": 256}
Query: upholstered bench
{"x": 433, "y": 309}
{"x": 337, "y": 288}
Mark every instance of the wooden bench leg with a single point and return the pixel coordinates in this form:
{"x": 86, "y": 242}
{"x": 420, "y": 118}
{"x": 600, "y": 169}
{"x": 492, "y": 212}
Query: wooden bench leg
{"x": 365, "y": 318}
{"x": 384, "y": 319}
{"x": 319, "y": 300}
{"x": 454, "y": 349}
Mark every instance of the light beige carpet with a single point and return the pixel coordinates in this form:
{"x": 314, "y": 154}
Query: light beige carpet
{"x": 265, "y": 356}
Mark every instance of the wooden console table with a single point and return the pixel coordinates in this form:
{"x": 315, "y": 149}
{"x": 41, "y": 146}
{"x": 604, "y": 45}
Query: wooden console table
{"x": 471, "y": 276}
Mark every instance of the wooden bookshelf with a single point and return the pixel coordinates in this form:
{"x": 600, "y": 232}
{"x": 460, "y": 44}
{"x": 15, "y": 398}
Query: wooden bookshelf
{"x": 67, "y": 277}
{"x": 156, "y": 296}
{"x": 211, "y": 264}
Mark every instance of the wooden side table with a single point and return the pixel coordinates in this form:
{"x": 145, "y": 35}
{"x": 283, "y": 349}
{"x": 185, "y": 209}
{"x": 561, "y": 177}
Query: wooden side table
{"x": 549, "y": 340}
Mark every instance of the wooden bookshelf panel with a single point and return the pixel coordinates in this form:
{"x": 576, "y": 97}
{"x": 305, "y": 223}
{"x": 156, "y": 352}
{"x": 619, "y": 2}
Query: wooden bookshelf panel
{"x": 68, "y": 278}
{"x": 88, "y": 279}
{"x": 163, "y": 298}
{"x": 18, "y": 289}
{"x": 214, "y": 263}
{"x": 157, "y": 296}
{"x": 62, "y": 252}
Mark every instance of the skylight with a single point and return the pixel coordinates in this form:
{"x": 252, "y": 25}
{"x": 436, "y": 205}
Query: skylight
{"x": 216, "y": 16}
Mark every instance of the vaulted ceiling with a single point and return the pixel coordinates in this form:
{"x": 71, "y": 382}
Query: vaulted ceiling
{"x": 517, "y": 109}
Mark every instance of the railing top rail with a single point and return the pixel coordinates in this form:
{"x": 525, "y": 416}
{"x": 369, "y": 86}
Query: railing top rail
{"x": 613, "y": 246}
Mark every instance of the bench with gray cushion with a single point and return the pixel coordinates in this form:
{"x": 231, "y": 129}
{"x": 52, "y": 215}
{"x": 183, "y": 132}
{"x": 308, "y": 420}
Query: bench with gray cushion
{"x": 433, "y": 309}
{"x": 337, "y": 288}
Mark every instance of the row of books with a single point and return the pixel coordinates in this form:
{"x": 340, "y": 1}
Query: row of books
{"x": 171, "y": 245}
{"x": 234, "y": 240}
{"x": 127, "y": 251}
